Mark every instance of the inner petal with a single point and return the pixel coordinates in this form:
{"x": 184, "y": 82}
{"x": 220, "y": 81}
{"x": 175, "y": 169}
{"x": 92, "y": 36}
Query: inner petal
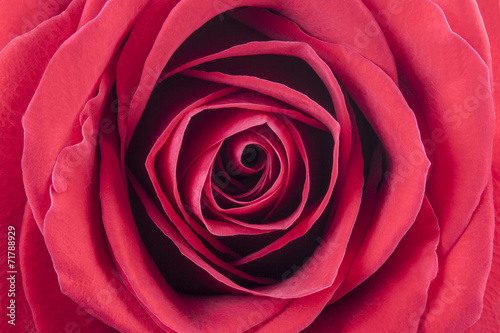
{"x": 272, "y": 163}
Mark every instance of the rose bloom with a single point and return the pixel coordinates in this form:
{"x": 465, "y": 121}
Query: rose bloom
{"x": 249, "y": 166}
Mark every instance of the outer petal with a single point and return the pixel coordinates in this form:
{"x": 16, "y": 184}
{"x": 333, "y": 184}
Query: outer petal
{"x": 55, "y": 107}
{"x": 455, "y": 99}
{"x": 470, "y": 27}
{"x": 52, "y": 311}
{"x": 76, "y": 240}
{"x": 73, "y": 231}
{"x": 20, "y": 17}
{"x": 456, "y": 295}
{"x": 21, "y": 72}
{"x": 91, "y": 10}
{"x": 490, "y": 317}
{"x": 393, "y": 299}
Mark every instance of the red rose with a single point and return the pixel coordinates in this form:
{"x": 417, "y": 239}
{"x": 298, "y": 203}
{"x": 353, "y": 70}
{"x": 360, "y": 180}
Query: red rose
{"x": 237, "y": 166}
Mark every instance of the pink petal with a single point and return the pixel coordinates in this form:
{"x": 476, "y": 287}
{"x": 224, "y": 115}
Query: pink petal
{"x": 52, "y": 310}
{"x": 454, "y": 98}
{"x": 392, "y": 299}
{"x": 456, "y": 294}
{"x": 58, "y": 101}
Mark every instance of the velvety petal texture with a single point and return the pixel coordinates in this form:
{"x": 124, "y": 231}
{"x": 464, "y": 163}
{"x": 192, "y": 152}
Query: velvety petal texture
{"x": 250, "y": 165}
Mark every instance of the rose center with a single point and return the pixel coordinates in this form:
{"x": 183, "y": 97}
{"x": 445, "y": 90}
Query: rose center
{"x": 251, "y": 156}
{"x": 238, "y": 171}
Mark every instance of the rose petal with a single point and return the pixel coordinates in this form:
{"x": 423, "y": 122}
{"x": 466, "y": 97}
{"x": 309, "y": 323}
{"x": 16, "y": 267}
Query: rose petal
{"x": 142, "y": 36}
{"x": 327, "y": 119}
{"x": 429, "y": 139}
{"x": 297, "y": 315}
{"x": 19, "y": 18}
{"x": 293, "y": 98}
{"x": 187, "y": 244}
{"x": 74, "y": 234}
{"x": 392, "y": 299}
{"x": 269, "y": 166}
{"x": 456, "y": 296}
{"x": 280, "y": 290}
{"x": 181, "y": 19}
{"x": 213, "y": 128}
{"x": 153, "y": 56}
{"x": 175, "y": 97}
{"x": 167, "y": 183}
{"x": 295, "y": 163}
{"x": 470, "y": 27}
{"x": 363, "y": 218}
{"x": 331, "y": 247}
{"x": 140, "y": 145}
{"x": 378, "y": 253}
{"x": 21, "y": 72}
{"x": 58, "y": 101}
{"x": 185, "y": 21}
{"x": 91, "y": 10}
{"x": 307, "y": 216}
{"x": 190, "y": 203}
{"x": 52, "y": 310}
{"x": 455, "y": 98}
{"x": 370, "y": 85}
{"x": 139, "y": 44}
{"x": 491, "y": 304}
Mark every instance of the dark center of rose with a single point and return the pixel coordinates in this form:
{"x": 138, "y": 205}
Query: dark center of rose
{"x": 251, "y": 156}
